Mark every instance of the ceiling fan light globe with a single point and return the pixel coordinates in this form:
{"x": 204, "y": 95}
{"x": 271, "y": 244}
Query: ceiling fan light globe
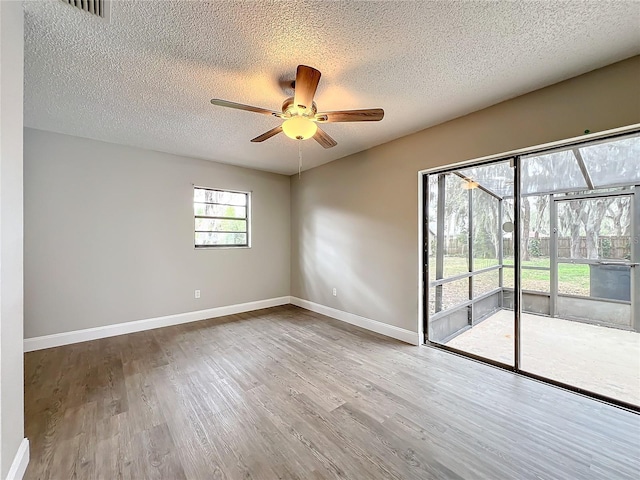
{"x": 299, "y": 128}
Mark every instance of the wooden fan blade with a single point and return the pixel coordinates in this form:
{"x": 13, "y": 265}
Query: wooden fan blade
{"x": 267, "y": 135}
{"x": 324, "y": 139}
{"x": 307, "y": 79}
{"x": 367, "y": 115}
{"x": 240, "y": 106}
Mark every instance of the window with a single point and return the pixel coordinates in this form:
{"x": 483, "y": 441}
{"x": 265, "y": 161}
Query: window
{"x": 221, "y": 218}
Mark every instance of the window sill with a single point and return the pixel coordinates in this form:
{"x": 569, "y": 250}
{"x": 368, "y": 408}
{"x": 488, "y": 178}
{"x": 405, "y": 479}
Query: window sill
{"x": 240, "y": 247}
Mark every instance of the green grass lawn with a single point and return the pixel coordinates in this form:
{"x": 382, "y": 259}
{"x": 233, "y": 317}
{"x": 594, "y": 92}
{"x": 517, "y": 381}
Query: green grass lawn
{"x": 572, "y": 279}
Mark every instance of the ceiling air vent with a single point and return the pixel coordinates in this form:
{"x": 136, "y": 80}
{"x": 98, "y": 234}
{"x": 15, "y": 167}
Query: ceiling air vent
{"x": 100, "y": 8}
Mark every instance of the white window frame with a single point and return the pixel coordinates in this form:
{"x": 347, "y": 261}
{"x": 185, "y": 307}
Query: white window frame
{"x": 247, "y": 218}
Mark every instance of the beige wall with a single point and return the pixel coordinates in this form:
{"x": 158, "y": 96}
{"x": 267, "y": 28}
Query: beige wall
{"x": 354, "y": 221}
{"x": 108, "y": 227}
{"x": 109, "y": 235}
{"x": 11, "y": 265}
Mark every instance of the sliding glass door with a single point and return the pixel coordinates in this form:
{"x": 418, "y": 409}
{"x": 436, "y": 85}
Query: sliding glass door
{"x": 587, "y": 333}
{"x": 469, "y": 243}
{"x": 532, "y": 263}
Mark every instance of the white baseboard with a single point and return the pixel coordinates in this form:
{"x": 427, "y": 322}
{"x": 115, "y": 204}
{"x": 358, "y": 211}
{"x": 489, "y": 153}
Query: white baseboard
{"x": 76, "y": 336}
{"x": 20, "y": 461}
{"x": 392, "y": 331}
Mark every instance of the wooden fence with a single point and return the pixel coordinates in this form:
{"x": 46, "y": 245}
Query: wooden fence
{"x": 608, "y": 247}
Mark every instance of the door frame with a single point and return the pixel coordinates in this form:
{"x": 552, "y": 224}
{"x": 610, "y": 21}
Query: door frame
{"x": 633, "y": 262}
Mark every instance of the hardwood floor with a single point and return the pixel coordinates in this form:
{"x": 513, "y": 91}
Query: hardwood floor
{"x": 287, "y": 393}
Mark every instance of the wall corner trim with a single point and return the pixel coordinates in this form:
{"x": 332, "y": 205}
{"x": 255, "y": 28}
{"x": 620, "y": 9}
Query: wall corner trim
{"x": 392, "y": 331}
{"x": 20, "y": 461}
{"x": 77, "y": 336}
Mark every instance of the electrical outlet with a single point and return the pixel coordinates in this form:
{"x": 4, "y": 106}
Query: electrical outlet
{"x": 335, "y": 292}
{"x": 196, "y": 294}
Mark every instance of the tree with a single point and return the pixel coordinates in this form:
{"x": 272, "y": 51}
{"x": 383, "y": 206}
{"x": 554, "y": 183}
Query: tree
{"x": 542, "y": 202}
{"x": 486, "y": 231}
{"x": 592, "y": 216}
{"x": 526, "y": 227}
{"x": 619, "y": 212}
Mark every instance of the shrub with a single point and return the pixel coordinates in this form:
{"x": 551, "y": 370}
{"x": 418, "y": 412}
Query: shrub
{"x": 534, "y": 247}
{"x": 605, "y": 247}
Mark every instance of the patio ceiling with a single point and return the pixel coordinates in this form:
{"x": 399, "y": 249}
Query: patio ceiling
{"x": 603, "y": 164}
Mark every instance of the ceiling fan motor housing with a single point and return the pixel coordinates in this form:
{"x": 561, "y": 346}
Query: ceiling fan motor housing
{"x": 289, "y": 109}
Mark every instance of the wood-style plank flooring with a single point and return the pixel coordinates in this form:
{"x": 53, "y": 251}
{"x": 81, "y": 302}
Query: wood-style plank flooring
{"x": 286, "y": 393}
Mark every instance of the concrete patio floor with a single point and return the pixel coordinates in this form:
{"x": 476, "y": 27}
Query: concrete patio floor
{"x": 599, "y": 359}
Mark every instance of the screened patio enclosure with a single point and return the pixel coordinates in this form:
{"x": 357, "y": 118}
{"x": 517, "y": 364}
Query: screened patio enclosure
{"x": 532, "y": 263}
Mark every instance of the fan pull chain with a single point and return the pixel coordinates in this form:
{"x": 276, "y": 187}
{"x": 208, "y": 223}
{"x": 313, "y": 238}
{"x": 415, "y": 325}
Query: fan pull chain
{"x": 299, "y": 158}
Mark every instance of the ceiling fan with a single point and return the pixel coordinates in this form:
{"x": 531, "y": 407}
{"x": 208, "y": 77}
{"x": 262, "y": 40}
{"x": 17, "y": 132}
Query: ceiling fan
{"x": 300, "y": 113}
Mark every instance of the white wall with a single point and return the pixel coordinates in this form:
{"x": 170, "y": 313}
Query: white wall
{"x": 11, "y": 267}
{"x": 109, "y": 235}
{"x": 354, "y": 220}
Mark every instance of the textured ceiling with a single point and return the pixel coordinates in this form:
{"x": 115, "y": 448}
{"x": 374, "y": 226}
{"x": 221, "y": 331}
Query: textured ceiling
{"x": 146, "y": 77}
